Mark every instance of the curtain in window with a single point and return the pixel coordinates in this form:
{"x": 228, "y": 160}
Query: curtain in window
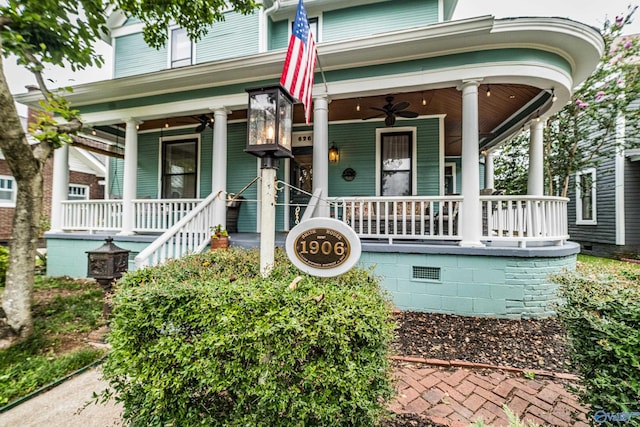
{"x": 396, "y": 165}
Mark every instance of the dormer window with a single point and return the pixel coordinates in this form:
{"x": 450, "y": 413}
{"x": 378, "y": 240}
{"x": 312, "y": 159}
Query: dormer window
{"x": 181, "y": 48}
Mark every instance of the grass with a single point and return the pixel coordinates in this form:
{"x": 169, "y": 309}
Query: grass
{"x": 64, "y": 311}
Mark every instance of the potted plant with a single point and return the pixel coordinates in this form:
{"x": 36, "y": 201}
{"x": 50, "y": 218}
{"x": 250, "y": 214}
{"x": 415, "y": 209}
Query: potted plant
{"x": 219, "y": 237}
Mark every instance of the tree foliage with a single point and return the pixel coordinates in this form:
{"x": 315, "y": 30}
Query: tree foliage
{"x": 586, "y": 127}
{"x": 64, "y": 33}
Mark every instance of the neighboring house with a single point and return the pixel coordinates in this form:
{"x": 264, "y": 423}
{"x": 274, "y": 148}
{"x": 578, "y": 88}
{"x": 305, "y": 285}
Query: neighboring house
{"x": 604, "y": 211}
{"x": 86, "y": 182}
{"x": 410, "y": 189}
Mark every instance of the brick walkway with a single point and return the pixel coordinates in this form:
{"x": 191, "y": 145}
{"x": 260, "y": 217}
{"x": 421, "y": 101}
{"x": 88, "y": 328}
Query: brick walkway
{"x": 459, "y": 396}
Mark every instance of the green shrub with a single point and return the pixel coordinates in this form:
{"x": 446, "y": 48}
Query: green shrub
{"x": 601, "y": 312}
{"x": 207, "y": 341}
{"x": 4, "y": 261}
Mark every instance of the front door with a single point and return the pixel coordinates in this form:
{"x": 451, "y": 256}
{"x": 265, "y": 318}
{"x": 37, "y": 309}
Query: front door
{"x": 301, "y": 181}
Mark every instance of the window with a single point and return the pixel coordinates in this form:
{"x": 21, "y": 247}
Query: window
{"x": 396, "y": 157}
{"x": 179, "y": 169}
{"x": 450, "y": 178}
{"x": 313, "y": 27}
{"x": 586, "y": 197}
{"x": 181, "y": 48}
{"x": 7, "y": 191}
{"x": 78, "y": 192}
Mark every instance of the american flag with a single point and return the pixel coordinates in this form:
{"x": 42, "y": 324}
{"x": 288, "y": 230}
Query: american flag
{"x": 297, "y": 74}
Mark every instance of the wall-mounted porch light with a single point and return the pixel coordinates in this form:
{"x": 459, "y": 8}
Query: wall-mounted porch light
{"x": 334, "y": 154}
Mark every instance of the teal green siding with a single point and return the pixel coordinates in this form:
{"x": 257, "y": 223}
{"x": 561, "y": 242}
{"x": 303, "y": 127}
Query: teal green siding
{"x": 133, "y": 56}
{"x": 148, "y": 161}
{"x": 357, "y": 144}
{"x": 242, "y": 169}
{"x": 278, "y": 34}
{"x": 510, "y": 287}
{"x": 237, "y": 35}
{"x": 116, "y": 176}
{"x": 377, "y": 18}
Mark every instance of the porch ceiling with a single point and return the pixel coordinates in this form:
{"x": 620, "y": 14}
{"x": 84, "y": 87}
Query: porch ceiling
{"x": 505, "y": 101}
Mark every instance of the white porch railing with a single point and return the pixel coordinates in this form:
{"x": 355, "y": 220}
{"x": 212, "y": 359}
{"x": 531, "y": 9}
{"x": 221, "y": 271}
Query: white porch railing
{"x": 191, "y": 234}
{"x": 160, "y": 215}
{"x": 524, "y": 219}
{"x": 422, "y": 218}
{"x": 92, "y": 215}
{"x": 151, "y": 216}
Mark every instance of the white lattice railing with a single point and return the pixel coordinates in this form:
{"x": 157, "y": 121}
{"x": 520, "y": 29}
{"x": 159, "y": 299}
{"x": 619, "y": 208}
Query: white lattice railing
{"x": 191, "y": 234}
{"x": 92, "y": 215}
{"x": 421, "y": 218}
{"x": 525, "y": 218}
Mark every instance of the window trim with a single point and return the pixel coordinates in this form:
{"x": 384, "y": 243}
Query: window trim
{"x": 594, "y": 210}
{"x": 317, "y": 35}
{"x": 170, "y": 50}
{"x": 177, "y": 138}
{"x": 87, "y": 191}
{"x": 10, "y": 203}
{"x": 452, "y": 165}
{"x": 414, "y": 156}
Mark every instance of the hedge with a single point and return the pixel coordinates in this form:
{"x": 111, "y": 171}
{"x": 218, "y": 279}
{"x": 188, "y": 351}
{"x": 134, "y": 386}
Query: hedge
{"x": 206, "y": 340}
{"x": 601, "y": 312}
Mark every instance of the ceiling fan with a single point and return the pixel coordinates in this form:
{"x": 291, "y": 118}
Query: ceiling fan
{"x": 205, "y": 121}
{"x": 391, "y": 110}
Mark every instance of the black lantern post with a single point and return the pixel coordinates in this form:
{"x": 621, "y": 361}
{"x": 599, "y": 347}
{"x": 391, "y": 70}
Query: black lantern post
{"x": 269, "y": 122}
{"x": 106, "y": 264}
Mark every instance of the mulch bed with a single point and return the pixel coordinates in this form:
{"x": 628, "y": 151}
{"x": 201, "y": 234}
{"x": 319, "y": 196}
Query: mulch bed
{"x": 524, "y": 344}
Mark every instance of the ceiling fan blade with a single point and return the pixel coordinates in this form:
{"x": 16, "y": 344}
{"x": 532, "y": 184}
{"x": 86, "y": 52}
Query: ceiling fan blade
{"x": 373, "y": 117}
{"x": 384, "y": 110}
{"x": 201, "y": 127}
{"x": 407, "y": 114}
{"x": 400, "y": 106}
{"x": 390, "y": 120}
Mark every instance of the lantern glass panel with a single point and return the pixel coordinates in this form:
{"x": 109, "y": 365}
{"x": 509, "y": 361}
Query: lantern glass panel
{"x": 262, "y": 118}
{"x": 286, "y": 113}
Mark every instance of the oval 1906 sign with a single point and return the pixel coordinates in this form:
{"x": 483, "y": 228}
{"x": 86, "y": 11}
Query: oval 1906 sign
{"x": 323, "y": 247}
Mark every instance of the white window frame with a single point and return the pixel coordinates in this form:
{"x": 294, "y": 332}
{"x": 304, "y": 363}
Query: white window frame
{"x": 170, "y": 50}
{"x": 85, "y": 189}
{"x": 452, "y": 165}
{"x": 161, "y": 142}
{"x": 9, "y": 203}
{"x": 316, "y": 29}
{"x": 594, "y": 210}
{"x": 414, "y": 156}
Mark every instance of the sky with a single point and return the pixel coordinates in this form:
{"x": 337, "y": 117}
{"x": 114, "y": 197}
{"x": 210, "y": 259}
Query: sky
{"x": 592, "y": 12}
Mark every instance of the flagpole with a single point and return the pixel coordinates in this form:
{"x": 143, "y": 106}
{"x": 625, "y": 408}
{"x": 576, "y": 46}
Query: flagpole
{"x": 324, "y": 79}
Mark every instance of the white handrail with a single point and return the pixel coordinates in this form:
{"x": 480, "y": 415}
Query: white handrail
{"x": 92, "y": 215}
{"x": 189, "y": 235}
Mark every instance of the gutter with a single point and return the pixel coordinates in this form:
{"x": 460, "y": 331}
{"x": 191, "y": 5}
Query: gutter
{"x": 264, "y": 25}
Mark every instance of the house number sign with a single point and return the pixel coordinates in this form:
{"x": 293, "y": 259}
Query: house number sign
{"x": 323, "y": 247}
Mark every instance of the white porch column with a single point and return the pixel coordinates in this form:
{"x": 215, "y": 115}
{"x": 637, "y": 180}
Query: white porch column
{"x": 470, "y": 221}
{"x": 535, "y": 182}
{"x": 130, "y": 176}
{"x": 219, "y": 166}
{"x": 489, "y": 171}
{"x": 321, "y": 151}
{"x": 60, "y": 186}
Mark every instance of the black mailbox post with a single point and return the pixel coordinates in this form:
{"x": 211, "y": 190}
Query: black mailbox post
{"x": 106, "y": 264}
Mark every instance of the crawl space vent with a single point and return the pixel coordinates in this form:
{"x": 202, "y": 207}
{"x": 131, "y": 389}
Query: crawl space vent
{"x": 426, "y": 273}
